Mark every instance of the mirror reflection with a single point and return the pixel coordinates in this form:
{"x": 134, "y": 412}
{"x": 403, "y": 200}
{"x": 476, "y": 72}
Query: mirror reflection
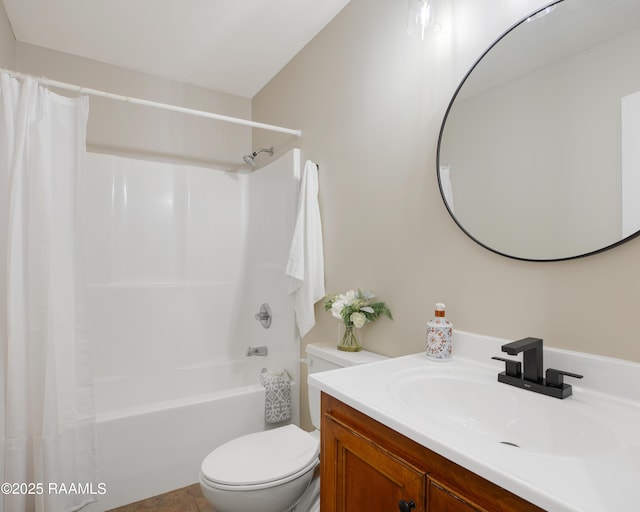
{"x": 539, "y": 152}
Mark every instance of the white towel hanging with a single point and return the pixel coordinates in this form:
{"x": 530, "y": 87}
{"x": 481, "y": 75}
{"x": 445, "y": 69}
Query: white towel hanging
{"x": 305, "y": 266}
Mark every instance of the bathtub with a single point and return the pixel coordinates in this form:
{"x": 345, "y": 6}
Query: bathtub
{"x": 153, "y": 431}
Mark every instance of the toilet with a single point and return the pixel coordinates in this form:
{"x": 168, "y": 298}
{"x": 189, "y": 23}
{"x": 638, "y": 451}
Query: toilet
{"x": 275, "y": 470}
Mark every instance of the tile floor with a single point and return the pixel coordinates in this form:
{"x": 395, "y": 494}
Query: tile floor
{"x": 187, "y": 499}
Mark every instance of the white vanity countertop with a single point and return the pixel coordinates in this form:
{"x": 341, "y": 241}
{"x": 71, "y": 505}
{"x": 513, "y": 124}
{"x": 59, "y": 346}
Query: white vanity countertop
{"x": 584, "y": 454}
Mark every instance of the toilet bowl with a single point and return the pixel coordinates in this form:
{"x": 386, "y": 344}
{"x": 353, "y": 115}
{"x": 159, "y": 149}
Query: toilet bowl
{"x": 274, "y": 470}
{"x": 266, "y": 471}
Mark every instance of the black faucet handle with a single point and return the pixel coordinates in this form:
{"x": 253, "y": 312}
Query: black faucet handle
{"x": 555, "y": 377}
{"x": 513, "y": 367}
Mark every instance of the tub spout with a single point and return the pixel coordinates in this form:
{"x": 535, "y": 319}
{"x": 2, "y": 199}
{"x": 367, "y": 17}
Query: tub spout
{"x": 257, "y": 351}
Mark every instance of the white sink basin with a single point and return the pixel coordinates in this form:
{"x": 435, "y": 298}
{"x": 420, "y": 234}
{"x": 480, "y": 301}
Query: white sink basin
{"x": 474, "y": 402}
{"x": 580, "y": 454}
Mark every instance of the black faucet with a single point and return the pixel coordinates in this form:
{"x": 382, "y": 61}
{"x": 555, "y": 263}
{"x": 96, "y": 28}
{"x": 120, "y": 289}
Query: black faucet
{"x": 531, "y": 359}
{"x": 531, "y": 378}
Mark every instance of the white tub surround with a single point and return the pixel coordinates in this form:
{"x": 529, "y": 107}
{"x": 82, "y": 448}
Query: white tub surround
{"x": 124, "y": 395}
{"x": 580, "y": 454}
{"x": 181, "y": 258}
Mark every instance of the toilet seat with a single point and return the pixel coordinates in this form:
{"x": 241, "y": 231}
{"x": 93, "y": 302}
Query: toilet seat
{"x": 263, "y": 459}
{"x": 256, "y": 487}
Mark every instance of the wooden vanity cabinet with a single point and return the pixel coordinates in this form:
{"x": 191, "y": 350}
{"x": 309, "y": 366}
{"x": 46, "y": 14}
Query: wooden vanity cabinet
{"x": 366, "y": 466}
{"x": 440, "y": 498}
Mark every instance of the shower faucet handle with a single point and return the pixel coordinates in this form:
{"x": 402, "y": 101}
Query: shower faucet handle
{"x": 264, "y": 315}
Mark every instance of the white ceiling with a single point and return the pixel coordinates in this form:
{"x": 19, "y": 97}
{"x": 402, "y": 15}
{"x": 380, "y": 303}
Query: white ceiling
{"x": 233, "y": 46}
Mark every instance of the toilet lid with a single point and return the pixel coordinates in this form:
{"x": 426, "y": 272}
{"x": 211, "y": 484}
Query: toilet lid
{"x": 261, "y": 457}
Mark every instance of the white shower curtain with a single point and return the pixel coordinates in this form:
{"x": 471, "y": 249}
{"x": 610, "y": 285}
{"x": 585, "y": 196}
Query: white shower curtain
{"x": 46, "y": 416}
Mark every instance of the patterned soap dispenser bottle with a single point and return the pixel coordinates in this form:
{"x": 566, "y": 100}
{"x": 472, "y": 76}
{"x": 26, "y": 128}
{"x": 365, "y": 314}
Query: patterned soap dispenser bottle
{"x": 439, "y": 332}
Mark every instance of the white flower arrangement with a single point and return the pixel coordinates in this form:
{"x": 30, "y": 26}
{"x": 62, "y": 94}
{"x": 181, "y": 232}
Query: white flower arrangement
{"x": 355, "y": 309}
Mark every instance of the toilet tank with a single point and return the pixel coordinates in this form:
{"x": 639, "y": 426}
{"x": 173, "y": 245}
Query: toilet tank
{"x": 322, "y": 358}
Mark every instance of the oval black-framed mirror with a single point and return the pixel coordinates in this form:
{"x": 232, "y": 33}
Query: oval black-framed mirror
{"x": 537, "y": 158}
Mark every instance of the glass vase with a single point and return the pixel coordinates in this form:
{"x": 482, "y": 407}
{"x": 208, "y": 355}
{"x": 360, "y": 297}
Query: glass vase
{"x": 349, "y": 341}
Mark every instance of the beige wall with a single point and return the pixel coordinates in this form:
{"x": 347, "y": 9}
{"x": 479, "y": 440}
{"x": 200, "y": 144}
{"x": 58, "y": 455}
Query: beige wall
{"x": 7, "y": 41}
{"x": 370, "y": 101}
{"x": 122, "y": 128}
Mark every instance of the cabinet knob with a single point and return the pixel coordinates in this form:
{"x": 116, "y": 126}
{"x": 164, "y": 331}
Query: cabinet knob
{"x": 406, "y": 506}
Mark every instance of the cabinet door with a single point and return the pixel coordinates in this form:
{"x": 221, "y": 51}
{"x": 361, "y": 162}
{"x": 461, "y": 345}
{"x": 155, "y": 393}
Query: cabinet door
{"x": 441, "y": 499}
{"x": 358, "y": 475}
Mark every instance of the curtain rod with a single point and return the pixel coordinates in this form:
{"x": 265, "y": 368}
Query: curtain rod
{"x": 148, "y": 103}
